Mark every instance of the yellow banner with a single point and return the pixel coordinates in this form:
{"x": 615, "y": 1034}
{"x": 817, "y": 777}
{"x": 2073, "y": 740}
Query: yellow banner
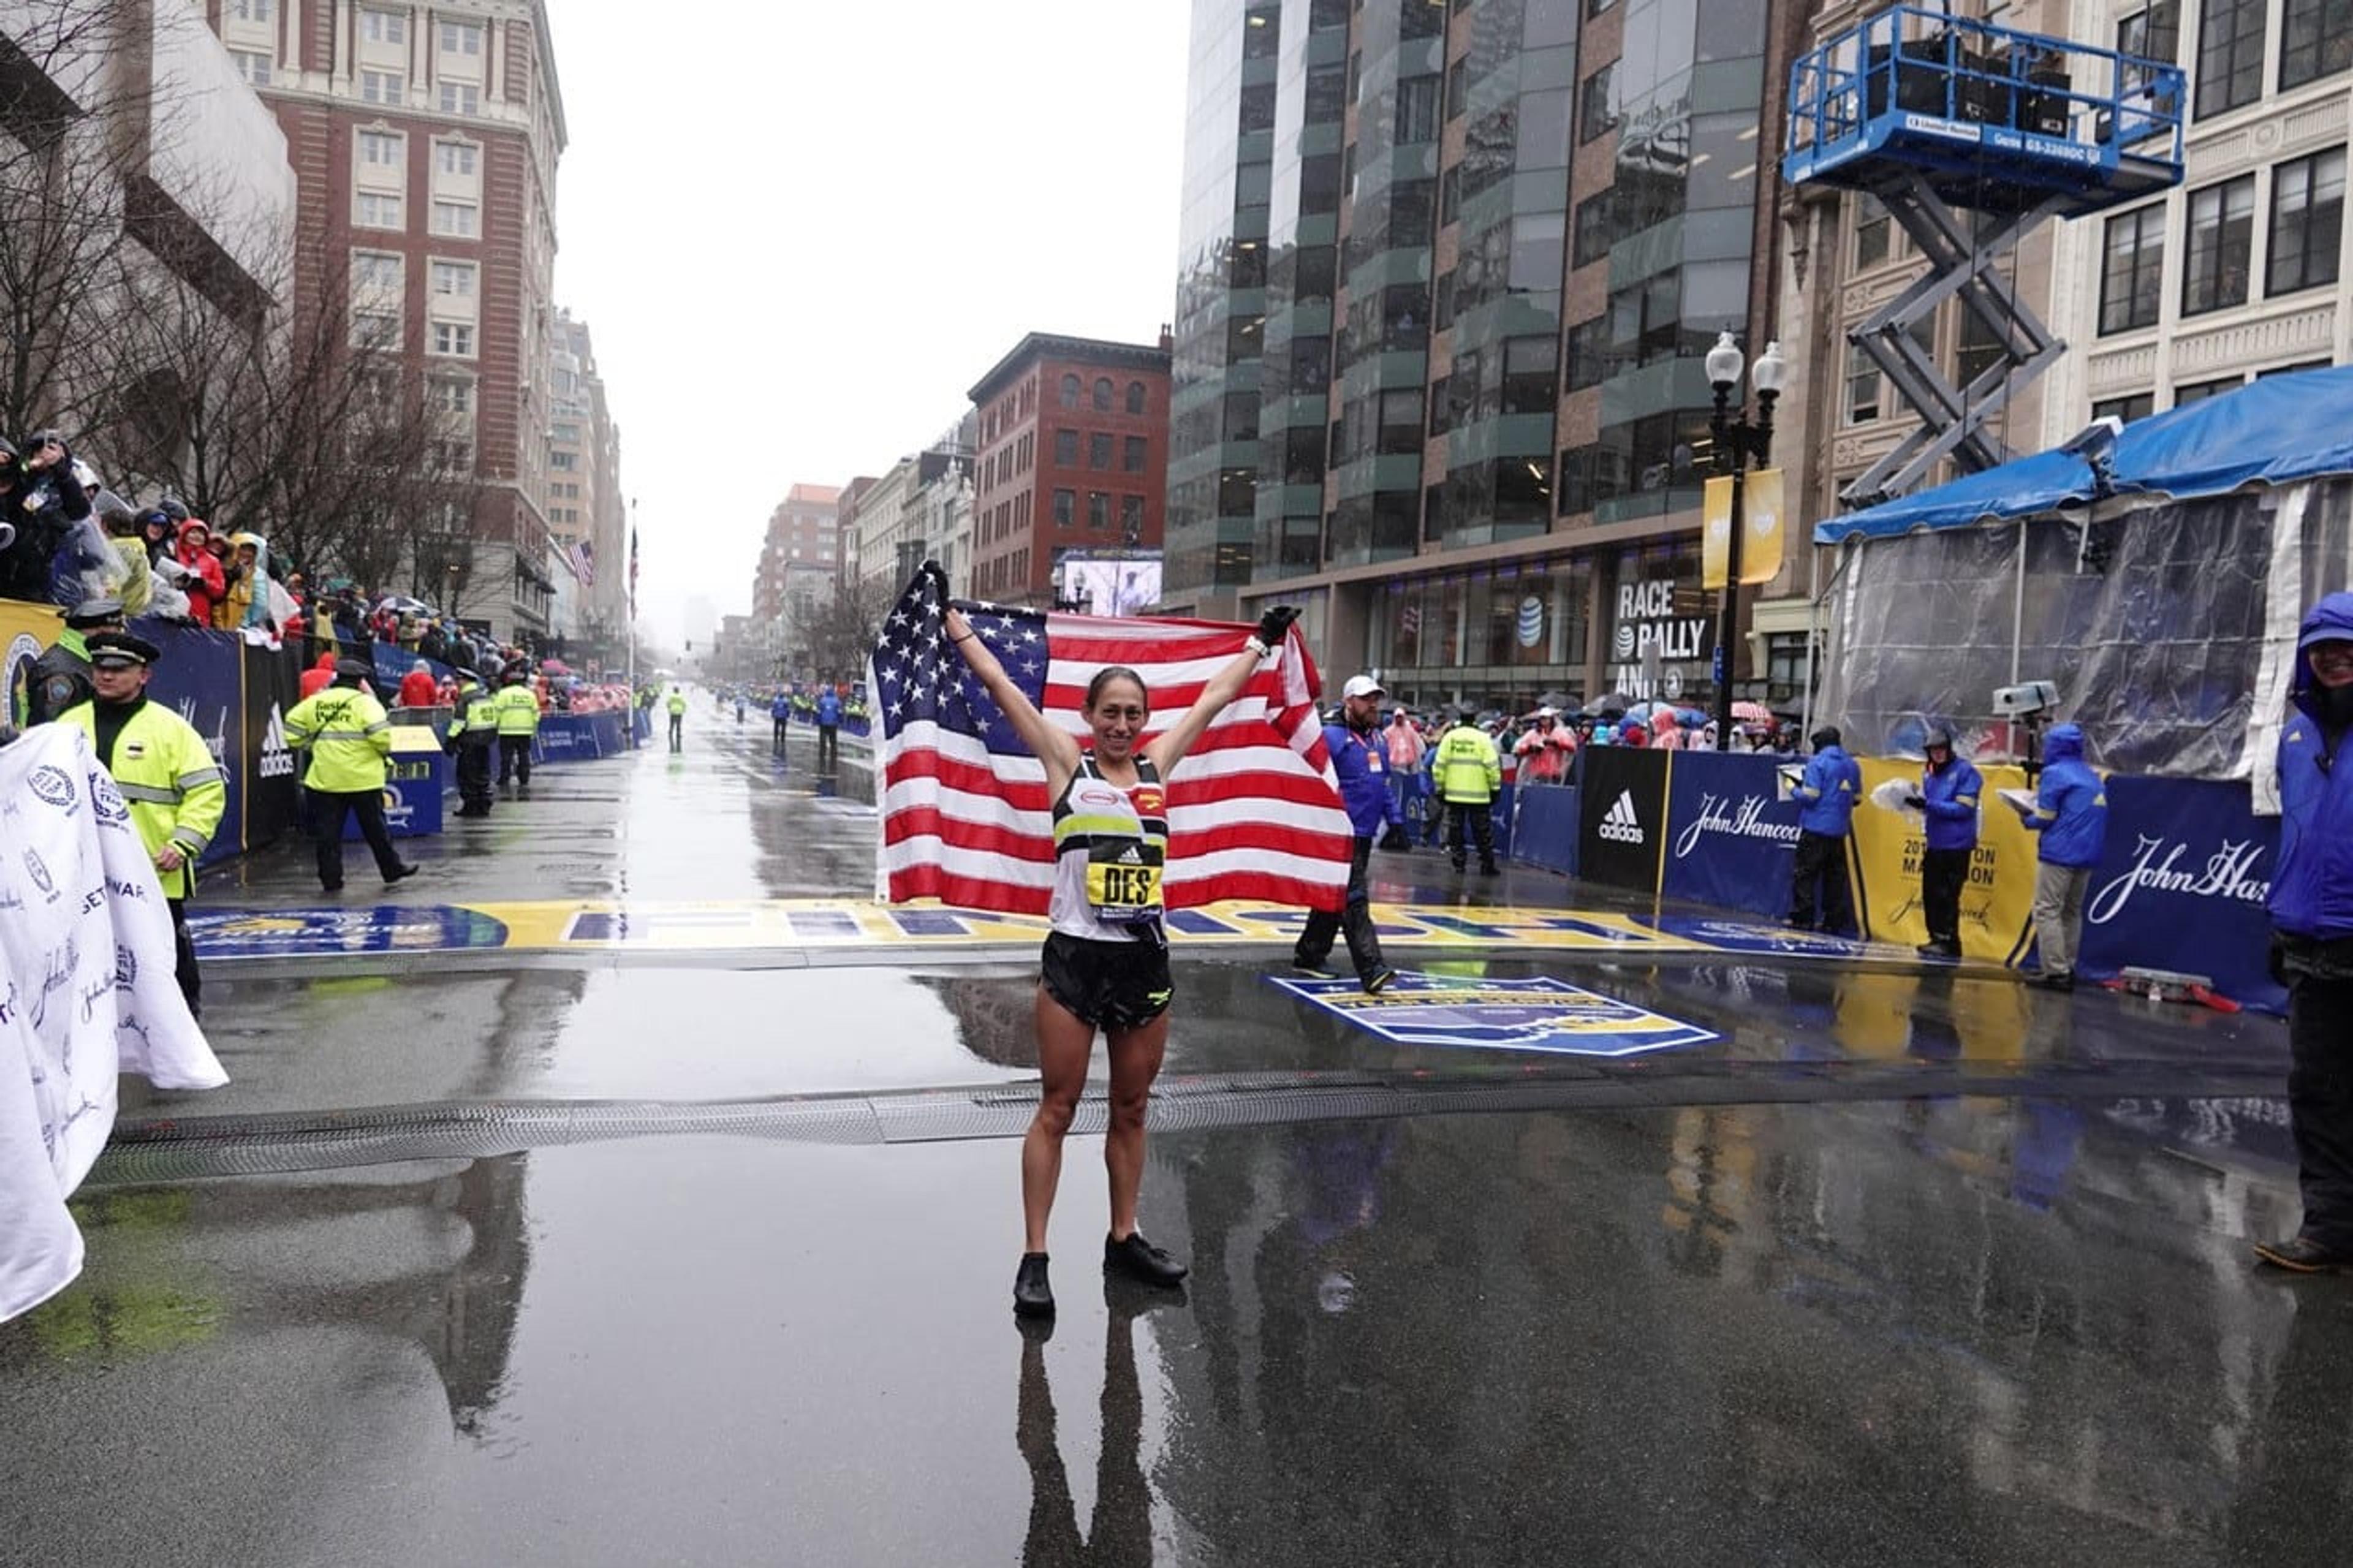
{"x": 1997, "y": 904}
{"x": 26, "y": 630}
{"x": 1761, "y": 549}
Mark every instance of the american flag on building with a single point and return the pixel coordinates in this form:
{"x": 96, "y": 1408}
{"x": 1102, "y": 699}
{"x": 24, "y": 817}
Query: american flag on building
{"x": 1253, "y": 813}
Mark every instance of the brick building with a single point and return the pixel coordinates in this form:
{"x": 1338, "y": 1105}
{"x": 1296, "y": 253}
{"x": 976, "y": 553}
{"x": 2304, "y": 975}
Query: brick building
{"x": 425, "y": 140}
{"x": 800, "y": 562}
{"x": 1071, "y": 454}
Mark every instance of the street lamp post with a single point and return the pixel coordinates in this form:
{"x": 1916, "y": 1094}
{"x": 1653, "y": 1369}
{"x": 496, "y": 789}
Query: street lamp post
{"x": 1737, "y": 441}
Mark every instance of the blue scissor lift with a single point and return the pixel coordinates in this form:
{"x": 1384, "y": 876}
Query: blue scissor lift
{"x": 1971, "y": 136}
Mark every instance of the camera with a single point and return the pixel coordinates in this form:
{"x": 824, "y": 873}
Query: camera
{"x": 2018, "y": 702}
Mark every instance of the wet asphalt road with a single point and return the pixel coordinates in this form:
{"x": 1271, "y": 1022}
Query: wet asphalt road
{"x": 1908, "y": 1267}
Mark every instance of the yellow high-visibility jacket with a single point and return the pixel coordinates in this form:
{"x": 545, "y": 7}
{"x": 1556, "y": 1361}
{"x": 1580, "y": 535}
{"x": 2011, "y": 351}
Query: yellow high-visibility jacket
{"x": 518, "y": 711}
{"x": 1469, "y": 771}
{"x": 176, "y": 791}
{"x": 349, "y": 735}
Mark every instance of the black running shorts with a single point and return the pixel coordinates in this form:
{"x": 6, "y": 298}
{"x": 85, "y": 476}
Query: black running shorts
{"x": 1111, "y": 984}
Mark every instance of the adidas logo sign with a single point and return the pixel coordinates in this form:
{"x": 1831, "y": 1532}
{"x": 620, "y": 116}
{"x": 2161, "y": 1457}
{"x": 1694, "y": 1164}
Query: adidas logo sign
{"x": 1130, "y": 858}
{"x": 277, "y": 760}
{"x": 1621, "y": 824}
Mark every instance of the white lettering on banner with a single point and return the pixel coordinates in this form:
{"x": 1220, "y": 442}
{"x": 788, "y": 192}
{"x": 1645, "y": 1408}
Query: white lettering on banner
{"x": 1746, "y": 820}
{"x": 277, "y": 757}
{"x": 2229, "y": 873}
{"x": 216, "y": 742}
{"x": 106, "y": 1004}
{"x": 1621, "y": 823}
{"x": 1648, "y": 633}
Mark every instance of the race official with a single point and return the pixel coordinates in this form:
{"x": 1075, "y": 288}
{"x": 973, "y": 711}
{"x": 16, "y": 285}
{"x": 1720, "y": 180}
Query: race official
{"x": 174, "y": 788}
{"x": 349, "y": 736}
{"x": 518, "y": 726}
{"x": 1469, "y": 771}
{"x": 1359, "y": 760}
{"x": 473, "y": 736}
{"x": 2312, "y": 938}
{"x": 1949, "y": 787}
{"x": 676, "y": 706}
{"x": 1832, "y": 786}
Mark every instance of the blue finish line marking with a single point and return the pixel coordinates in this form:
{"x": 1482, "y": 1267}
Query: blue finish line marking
{"x": 1539, "y": 1015}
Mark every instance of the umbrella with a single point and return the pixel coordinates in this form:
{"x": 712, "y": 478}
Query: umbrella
{"x": 553, "y": 667}
{"x": 402, "y": 605}
{"x": 1689, "y": 718}
{"x": 1751, "y": 713}
{"x": 1640, "y": 711}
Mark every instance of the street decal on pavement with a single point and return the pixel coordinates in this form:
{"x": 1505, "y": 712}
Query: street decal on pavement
{"x": 836, "y": 924}
{"x": 1538, "y": 1014}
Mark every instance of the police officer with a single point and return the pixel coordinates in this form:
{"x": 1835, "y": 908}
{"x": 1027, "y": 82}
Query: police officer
{"x": 349, "y": 736}
{"x": 518, "y": 724}
{"x": 1469, "y": 773}
{"x": 61, "y": 677}
{"x": 176, "y": 791}
{"x": 1832, "y": 783}
{"x": 1948, "y": 797}
{"x": 676, "y": 706}
{"x": 2312, "y": 938}
{"x": 473, "y": 735}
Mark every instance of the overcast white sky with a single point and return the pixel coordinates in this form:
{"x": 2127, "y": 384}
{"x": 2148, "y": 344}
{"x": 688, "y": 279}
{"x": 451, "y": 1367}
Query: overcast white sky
{"x": 797, "y": 256}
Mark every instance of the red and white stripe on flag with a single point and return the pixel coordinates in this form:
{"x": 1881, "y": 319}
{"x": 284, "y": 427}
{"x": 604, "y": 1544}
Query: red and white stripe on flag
{"x": 1254, "y": 810}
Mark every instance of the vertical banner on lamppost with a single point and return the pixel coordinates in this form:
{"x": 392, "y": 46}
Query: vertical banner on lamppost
{"x": 1715, "y": 534}
{"x": 1760, "y": 552}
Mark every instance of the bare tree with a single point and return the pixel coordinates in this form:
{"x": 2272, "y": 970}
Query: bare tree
{"x": 840, "y": 637}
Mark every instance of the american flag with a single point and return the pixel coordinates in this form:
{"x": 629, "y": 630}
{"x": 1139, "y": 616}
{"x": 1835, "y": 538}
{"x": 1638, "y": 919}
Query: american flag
{"x": 1253, "y": 812}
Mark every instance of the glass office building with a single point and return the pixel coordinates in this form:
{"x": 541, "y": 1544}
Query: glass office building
{"x": 1499, "y": 235}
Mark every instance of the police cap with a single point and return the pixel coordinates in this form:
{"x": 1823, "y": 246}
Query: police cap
{"x": 92, "y": 613}
{"x": 121, "y": 650}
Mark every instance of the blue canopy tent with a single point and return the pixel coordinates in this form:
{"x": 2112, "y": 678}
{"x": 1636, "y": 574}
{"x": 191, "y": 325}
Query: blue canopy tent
{"x": 2154, "y": 582}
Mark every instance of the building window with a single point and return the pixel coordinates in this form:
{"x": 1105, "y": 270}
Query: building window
{"x": 460, "y": 97}
{"x": 1871, "y": 231}
{"x": 1071, "y": 392}
{"x": 2230, "y": 54}
{"x": 2222, "y": 245}
{"x": 1596, "y": 226}
{"x": 376, "y": 209}
{"x": 454, "y": 456}
{"x": 1103, "y": 394}
{"x": 457, "y": 159}
{"x": 1597, "y": 104}
{"x": 2139, "y": 405}
{"x": 2316, "y": 40}
{"x": 381, "y": 149}
{"x": 454, "y": 279}
{"x": 1066, "y": 504}
{"x": 253, "y": 10}
{"x": 1531, "y": 366}
{"x": 384, "y": 26}
{"x": 2297, "y": 369}
{"x": 1098, "y": 509}
{"x": 252, "y": 66}
{"x": 2307, "y": 236}
{"x": 1098, "y": 450}
{"x": 2151, "y": 34}
{"x": 2199, "y": 390}
{"x": 1135, "y": 397}
{"x": 375, "y": 277}
{"x": 1066, "y": 449}
{"x": 1862, "y": 386}
{"x": 2132, "y": 275}
{"x": 1133, "y": 451}
{"x": 461, "y": 38}
{"x": 1417, "y": 113}
{"x": 384, "y": 87}
{"x": 454, "y": 339}
{"x": 1589, "y": 353}
{"x": 1130, "y": 518}
{"x": 458, "y": 219}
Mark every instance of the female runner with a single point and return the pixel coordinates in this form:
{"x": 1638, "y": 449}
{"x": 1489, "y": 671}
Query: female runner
{"x": 1106, "y": 960}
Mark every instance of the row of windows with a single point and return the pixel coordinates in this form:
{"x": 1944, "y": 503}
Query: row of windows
{"x": 1133, "y": 451}
{"x": 1105, "y": 394}
{"x": 2303, "y": 245}
{"x": 2141, "y": 405}
{"x": 1005, "y": 519}
{"x": 1011, "y": 409}
{"x": 1006, "y": 573}
{"x": 380, "y": 275}
{"x": 1099, "y": 505}
{"x": 381, "y": 27}
{"x": 2315, "y": 39}
{"x": 389, "y": 150}
{"x": 998, "y": 468}
{"x": 383, "y": 209}
{"x": 389, "y": 88}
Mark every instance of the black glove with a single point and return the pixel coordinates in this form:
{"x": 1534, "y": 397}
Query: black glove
{"x": 1274, "y": 624}
{"x": 1916, "y": 802}
{"x": 1395, "y": 838}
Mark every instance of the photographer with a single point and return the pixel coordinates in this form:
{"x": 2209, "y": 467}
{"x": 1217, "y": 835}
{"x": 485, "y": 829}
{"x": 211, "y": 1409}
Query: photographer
{"x": 45, "y": 498}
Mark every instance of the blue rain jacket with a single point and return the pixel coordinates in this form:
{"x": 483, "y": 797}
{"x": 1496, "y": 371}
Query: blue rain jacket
{"x": 1362, "y": 766}
{"x": 2071, "y": 807}
{"x": 1831, "y": 786}
{"x": 1952, "y": 793}
{"x": 2312, "y": 893}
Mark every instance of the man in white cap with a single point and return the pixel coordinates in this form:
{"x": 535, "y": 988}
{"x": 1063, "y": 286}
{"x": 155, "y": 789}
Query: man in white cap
{"x": 1361, "y": 763}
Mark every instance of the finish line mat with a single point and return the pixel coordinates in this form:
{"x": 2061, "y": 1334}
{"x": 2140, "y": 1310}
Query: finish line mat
{"x": 820, "y": 925}
{"x": 1539, "y": 1015}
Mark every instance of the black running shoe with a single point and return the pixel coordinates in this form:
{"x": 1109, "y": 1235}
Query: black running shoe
{"x": 400, "y": 874}
{"x": 1032, "y": 1296}
{"x": 1379, "y": 982}
{"x": 1139, "y": 1259}
{"x": 2303, "y": 1257}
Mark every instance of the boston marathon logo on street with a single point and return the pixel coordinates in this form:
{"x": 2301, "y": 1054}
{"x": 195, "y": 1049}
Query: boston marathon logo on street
{"x": 1538, "y": 1014}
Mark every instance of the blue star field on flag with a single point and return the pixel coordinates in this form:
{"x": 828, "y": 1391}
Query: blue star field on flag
{"x": 919, "y": 676}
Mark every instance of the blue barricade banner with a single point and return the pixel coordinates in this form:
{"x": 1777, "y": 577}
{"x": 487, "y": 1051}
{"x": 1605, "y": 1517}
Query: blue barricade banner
{"x": 1544, "y": 827}
{"x": 2181, "y": 886}
{"x": 579, "y": 737}
{"x": 201, "y": 679}
{"x": 1729, "y": 842}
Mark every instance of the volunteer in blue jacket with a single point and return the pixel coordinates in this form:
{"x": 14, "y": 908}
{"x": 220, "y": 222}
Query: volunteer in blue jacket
{"x": 1949, "y": 787}
{"x": 2312, "y": 938}
{"x": 1832, "y": 786}
{"x": 2071, "y": 812}
{"x": 780, "y": 713}
{"x": 1360, "y": 760}
{"x": 829, "y": 726}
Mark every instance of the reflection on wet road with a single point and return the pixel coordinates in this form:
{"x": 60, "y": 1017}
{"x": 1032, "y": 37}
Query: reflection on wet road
{"x": 1969, "y": 1285}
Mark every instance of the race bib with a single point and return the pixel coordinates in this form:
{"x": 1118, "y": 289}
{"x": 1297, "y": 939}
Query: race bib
{"x": 1123, "y": 892}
